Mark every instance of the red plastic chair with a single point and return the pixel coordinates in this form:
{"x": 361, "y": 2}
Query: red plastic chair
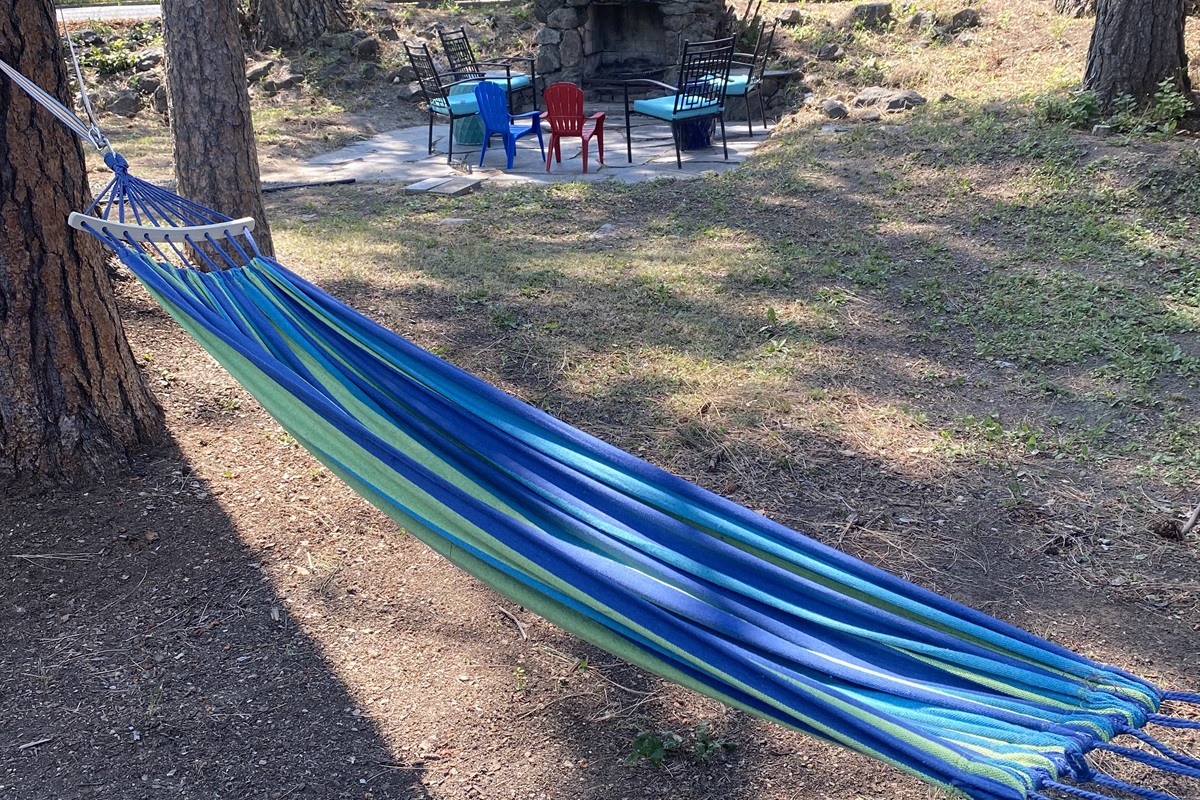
{"x": 564, "y": 112}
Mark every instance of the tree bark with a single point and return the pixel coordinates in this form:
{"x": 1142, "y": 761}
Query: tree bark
{"x": 290, "y": 23}
{"x": 72, "y": 402}
{"x": 216, "y": 161}
{"x": 1135, "y": 45}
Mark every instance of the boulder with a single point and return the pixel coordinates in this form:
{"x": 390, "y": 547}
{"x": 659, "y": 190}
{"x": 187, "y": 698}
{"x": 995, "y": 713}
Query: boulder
{"x": 835, "y": 109}
{"x": 872, "y": 16}
{"x": 259, "y": 70}
{"x": 831, "y": 51}
{"x": 967, "y": 18}
{"x": 888, "y": 99}
{"x": 791, "y": 16}
{"x": 367, "y": 49}
{"x": 148, "y": 60}
{"x": 123, "y": 103}
{"x": 922, "y": 21}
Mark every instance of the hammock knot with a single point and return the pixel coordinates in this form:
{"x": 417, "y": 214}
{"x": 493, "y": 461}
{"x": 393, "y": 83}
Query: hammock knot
{"x": 116, "y": 162}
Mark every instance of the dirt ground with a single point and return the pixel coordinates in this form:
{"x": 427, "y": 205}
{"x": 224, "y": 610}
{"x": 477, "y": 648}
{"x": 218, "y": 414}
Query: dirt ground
{"x": 230, "y": 621}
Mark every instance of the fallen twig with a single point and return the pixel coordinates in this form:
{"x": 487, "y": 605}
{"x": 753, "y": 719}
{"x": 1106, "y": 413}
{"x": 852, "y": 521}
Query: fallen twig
{"x": 1191, "y": 523}
{"x": 36, "y": 742}
{"x": 521, "y": 626}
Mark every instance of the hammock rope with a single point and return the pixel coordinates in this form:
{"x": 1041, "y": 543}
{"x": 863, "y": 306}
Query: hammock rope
{"x": 656, "y": 570}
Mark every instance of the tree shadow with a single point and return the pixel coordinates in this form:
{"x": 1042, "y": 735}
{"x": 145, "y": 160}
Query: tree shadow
{"x": 146, "y": 651}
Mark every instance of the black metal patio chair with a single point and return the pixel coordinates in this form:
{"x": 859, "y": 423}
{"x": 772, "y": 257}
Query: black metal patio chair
{"x": 442, "y": 101}
{"x": 698, "y": 98}
{"x": 461, "y": 57}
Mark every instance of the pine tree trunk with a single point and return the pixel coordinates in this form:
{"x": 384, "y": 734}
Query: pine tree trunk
{"x": 72, "y": 402}
{"x": 1136, "y": 44}
{"x": 216, "y": 161}
{"x": 290, "y": 23}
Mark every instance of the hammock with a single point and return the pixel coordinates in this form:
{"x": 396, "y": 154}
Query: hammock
{"x": 643, "y": 564}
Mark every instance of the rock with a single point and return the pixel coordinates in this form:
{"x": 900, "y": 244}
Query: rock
{"x": 159, "y": 100}
{"x": 922, "y": 21}
{"x": 289, "y": 80}
{"x": 567, "y": 18}
{"x": 123, "y": 103}
{"x": 791, "y": 16}
{"x": 947, "y": 98}
{"x": 389, "y": 35}
{"x": 1102, "y": 130}
{"x": 604, "y": 231}
{"x": 549, "y": 59}
{"x": 259, "y": 70}
{"x": 338, "y": 41}
{"x": 148, "y": 60}
{"x": 831, "y": 51}
{"x": 549, "y": 36}
{"x": 835, "y": 109}
{"x": 967, "y": 18}
{"x": 402, "y": 74}
{"x": 870, "y": 115}
{"x": 410, "y": 93}
{"x": 889, "y": 99}
{"x": 146, "y": 85}
{"x": 367, "y": 49}
{"x": 571, "y": 49}
{"x": 89, "y": 38}
{"x": 872, "y": 16}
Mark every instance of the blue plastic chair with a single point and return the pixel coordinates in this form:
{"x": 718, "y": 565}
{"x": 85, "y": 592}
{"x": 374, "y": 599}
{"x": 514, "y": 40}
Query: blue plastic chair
{"x": 493, "y": 110}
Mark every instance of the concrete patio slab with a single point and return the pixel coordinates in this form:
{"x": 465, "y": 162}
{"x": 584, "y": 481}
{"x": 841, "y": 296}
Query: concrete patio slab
{"x": 403, "y": 155}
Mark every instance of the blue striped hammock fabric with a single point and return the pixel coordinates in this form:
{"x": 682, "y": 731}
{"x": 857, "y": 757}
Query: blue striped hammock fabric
{"x": 656, "y": 570}
{"x": 653, "y": 569}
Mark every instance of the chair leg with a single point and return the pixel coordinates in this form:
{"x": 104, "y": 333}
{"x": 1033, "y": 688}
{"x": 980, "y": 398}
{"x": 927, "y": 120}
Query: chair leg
{"x": 762, "y": 107}
{"x": 450, "y": 149}
{"x": 584, "y": 142}
{"x": 675, "y": 136}
{"x": 431, "y": 133}
{"x": 600, "y": 144}
{"x": 550, "y": 154}
{"x": 749, "y": 119}
{"x": 487, "y": 139}
{"x": 541, "y": 142}
{"x": 724, "y": 143}
{"x": 510, "y": 149}
{"x": 628, "y": 141}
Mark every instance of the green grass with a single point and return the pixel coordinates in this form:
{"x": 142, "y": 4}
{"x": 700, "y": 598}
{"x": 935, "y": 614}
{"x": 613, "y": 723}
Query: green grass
{"x": 785, "y": 296}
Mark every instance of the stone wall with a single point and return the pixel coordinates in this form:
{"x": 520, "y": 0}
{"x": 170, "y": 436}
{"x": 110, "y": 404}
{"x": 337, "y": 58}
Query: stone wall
{"x": 575, "y": 42}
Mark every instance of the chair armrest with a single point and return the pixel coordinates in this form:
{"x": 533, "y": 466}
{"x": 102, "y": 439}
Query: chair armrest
{"x": 473, "y": 79}
{"x": 507, "y": 61}
{"x": 528, "y": 114}
{"x": 651, "y": 82}
{"x": 598, "y": 116}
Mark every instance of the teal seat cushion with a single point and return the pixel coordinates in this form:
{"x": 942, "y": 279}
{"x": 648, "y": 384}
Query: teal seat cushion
{"x": 738, "y": 85}
{"x": 664, "y": 108}
{"x": 460, "y": 105}
{"x": 514, "y": 82}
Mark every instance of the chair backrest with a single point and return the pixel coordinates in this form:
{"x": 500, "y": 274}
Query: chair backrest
{"x": 564, "y": 108}
{"x": 762, "y": 50}
{"x": 493, "y": 106}
{"x": 427, "y": 74}
{"x": 703, "y": 74}
{"x": 457, "y": 48}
